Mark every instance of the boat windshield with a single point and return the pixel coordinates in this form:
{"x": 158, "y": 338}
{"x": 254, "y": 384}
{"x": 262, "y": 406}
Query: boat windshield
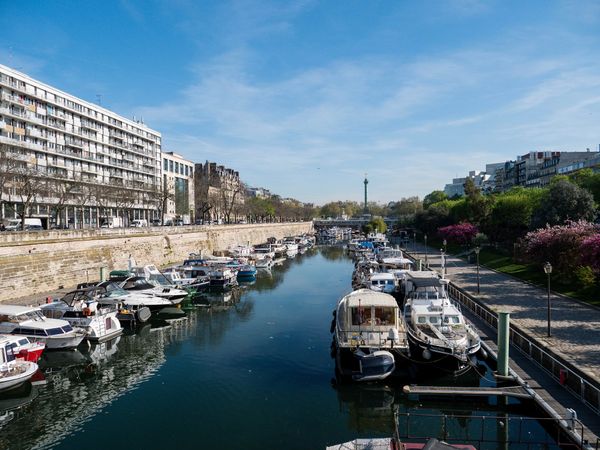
{"x": 36, "y": 316}
{"x": 159, "y": 278}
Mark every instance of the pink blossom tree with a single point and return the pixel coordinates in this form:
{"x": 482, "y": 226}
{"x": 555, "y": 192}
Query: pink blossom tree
{"x": 462, "y": 233}
{"x": 561, "y": 245}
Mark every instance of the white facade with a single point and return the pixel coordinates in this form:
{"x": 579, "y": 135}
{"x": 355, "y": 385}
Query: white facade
{"x": 178, "y": 180}
{"x": 61, "y": 137}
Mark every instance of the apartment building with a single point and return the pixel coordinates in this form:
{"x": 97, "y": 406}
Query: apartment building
{"x": 219, "y": 192}
{"x": 178, "y": 183}
{"x": 89, "y": 164}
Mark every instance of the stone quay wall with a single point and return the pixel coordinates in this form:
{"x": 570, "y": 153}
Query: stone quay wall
{"x": 37, "y": 262}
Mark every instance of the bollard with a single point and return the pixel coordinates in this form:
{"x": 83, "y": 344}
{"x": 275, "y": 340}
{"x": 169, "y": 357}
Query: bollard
{"x": 420, "y": 264}
{"x": 102, "y": 273}
{"x": 503, "y": 343}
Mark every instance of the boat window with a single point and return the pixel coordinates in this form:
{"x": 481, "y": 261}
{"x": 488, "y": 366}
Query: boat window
{"x": 384, "y": 316}
{"x": 422, "y": 319}
{"x": 10, "y": 356}
{"x": 433, "y": 319}
{"x": 451, "y": 319}
{"x": 54, "y": 331}
{"x": 67, "y": 328}
{"x": 23, "y": 341}
{"x": 360, "y": 315}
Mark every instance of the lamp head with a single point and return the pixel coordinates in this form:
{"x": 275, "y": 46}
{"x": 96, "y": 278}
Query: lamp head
{"x": 548, "y": 268}
{"x": 477, "y": 249}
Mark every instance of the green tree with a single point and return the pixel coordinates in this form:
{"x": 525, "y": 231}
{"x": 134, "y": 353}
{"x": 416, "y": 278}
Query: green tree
{"x": 564, "y": 201}
{"x": 478, "y": 205}
{"x": 434, "y": 197}
{"x": 376, "y": 224}
{"x": 510, "y": 217}
{"x": 589, "y": 180}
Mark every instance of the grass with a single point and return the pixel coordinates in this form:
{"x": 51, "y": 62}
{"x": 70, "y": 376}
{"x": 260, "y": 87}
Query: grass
{"x": 534, "y": 274}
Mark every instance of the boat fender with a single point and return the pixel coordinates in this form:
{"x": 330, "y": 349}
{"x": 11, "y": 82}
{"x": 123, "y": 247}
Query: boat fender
{"x": 86, "y": 311}
{"x": 482, "y": 354}
{"x": 426, "y": 354}
{"x": 332, "y": 326}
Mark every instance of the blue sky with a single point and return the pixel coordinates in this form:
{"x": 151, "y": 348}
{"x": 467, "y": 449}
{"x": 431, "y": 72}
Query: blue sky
{"x": 304, "y": 97}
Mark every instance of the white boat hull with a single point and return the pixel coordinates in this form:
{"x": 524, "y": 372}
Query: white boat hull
{"x": 8, "y": 381}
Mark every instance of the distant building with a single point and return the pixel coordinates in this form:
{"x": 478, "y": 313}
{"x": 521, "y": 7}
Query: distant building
{"x": 219, "y": 192}
{"x": 178, "y": 181}
{"x": 258, "y": 192}
{"x": 457, "y": 187}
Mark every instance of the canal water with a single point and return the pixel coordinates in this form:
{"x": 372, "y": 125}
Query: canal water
{"x": 249, "y": 369}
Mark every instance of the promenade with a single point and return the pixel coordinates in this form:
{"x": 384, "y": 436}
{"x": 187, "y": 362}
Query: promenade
{"x": 575, "y": 326}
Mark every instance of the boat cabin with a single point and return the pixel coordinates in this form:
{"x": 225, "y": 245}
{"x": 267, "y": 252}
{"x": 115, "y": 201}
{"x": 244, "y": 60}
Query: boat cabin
{"x": 370, "y": 317}
{"x": 29, "y": 321}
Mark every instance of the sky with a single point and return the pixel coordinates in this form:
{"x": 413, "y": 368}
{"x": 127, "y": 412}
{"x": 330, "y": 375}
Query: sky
{"x": 306, "y": 97}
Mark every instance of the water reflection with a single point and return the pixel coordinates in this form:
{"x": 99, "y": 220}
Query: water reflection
{"x": 255, "y": 356}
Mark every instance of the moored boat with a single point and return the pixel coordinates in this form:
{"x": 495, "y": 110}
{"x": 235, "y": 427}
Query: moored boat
{"x": 29, "y": 321}
{"x": 368, "y": 329}
{"x": 13, "y": 372}
{"x": 435, "y": 325}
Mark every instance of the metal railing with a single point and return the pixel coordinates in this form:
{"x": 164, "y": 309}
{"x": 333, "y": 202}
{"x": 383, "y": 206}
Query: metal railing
{"x": 483, "y": 431}
{"x": 570, "y": 377}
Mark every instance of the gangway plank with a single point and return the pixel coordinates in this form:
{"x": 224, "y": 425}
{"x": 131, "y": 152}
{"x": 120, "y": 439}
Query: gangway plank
{"x": 514, "y": 391}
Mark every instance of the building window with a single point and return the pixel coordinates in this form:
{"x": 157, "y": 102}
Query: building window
{"x": 170, "y": 166}
{"x": 176, "y": 167}
{"x": 165, "y": 164}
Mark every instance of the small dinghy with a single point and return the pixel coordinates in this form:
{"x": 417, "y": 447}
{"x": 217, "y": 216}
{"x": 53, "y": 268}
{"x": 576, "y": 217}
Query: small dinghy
{"x": 373, "y": 366}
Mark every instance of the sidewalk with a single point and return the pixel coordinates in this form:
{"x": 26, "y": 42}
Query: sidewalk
{"x": 575, "y": 326}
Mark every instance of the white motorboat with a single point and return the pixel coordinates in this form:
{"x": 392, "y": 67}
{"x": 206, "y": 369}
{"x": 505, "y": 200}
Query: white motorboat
{"x": 368, "y": 329}
{"x": 13, "y": 372}
{"x": 82, "y": 310}
{"x": 263, "y": 251}
{"x": 290, "y": 244}
{"x": 383, "y": 282}
{"x": 162, "y": 286}
{"x": 241, "y": 251}
{"x": 141, "y": 285}
{"x": 23, "y": 348}
{"x": 264, "y": 263}
{"x": 435, "y": 325}
{"x": 187, "y": 278}
{"x": 223, "y": 277}
{"x": 29, "y": 321}
{"x": 137, "y": 305}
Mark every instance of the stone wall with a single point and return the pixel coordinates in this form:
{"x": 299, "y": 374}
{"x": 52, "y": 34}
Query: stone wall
{"x": 39, "y": 262}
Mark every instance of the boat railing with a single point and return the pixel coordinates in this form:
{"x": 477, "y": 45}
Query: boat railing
{"x": 372, "y": 338}
{"x": 456, "y": 348}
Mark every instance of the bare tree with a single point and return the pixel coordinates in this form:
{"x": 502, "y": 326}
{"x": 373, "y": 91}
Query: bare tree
{"x": 27, "y": 185}
{"x": 8, "y": 166}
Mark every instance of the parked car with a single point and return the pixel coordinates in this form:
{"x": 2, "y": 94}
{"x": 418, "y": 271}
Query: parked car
{"x": 139, "y": 223}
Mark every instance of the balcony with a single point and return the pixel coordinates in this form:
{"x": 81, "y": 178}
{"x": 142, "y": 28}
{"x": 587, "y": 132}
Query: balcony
{"x": 12, "y": 99}
{"x": 76, "y": 143}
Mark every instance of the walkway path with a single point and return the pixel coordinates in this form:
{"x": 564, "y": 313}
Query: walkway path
{"x": 575, "y": 326}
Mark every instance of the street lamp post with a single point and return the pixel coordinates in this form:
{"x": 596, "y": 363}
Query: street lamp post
{"x": 477, "y": 250}
{"x": 415, "y": 241}
{"x": 445, "y": 243}
{"x": 443, "y": 263}
{"x": 548, "y": 270}
{"x": 425, "y": 239}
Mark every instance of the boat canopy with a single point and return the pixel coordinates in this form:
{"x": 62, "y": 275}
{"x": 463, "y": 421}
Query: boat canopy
{"x": 366, "y": 298}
